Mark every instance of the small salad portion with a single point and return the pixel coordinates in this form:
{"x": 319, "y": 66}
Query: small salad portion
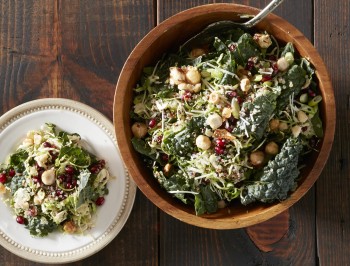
{"x": 229, "y": 120}
{"x": 52, "y": 183}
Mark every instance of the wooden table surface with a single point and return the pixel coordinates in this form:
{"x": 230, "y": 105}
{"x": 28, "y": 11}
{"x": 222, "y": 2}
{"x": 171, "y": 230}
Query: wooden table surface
{"x": 76, "y": 49}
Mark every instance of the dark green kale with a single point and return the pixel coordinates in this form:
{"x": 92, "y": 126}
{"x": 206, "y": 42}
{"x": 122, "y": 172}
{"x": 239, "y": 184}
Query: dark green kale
{"x": 16, "y": 183}
{"x": 245, "y": 48}
{"x": 228, "y": 62}
{"x": 317, "y": 125}
{"x": 182, "y": 143}
{"x": 255, "y": 114}
{"x": 175, "y": 182}
{"x": 225, "y": 30}
{"x": 206, "y": 201}
{"x": 143, "y": 148}
{"x": 278, "y": 177}
{"x": 294, "y": 81}
{"x": 37, "y": 227}
{"x": 289, "y": 48}
{"x": 17, "y": 160}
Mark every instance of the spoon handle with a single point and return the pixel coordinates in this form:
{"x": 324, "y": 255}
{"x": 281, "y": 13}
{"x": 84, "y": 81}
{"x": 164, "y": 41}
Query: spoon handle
{"x": 263, "y": 13}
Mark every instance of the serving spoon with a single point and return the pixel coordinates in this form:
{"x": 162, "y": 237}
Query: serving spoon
{"x": 206, "y": 35}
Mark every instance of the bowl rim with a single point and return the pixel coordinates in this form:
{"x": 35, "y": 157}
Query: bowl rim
{"x": 300, "y": 41}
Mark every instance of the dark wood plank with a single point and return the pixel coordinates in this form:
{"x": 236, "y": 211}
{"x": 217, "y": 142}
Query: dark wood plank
{"x": 332, "y": 38}
{"x": 293, "y": 232}
{"x": 76, "y": 49}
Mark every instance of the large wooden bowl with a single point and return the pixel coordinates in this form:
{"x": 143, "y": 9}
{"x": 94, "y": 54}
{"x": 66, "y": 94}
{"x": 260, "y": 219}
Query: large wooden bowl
{"x": 170, "y": 34}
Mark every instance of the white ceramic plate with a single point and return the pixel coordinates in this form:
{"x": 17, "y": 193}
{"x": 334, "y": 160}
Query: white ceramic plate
{"x": 98, "y": 131}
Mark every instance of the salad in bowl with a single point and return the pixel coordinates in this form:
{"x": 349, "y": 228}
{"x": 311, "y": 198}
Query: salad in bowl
{"x": 229, "y": 120}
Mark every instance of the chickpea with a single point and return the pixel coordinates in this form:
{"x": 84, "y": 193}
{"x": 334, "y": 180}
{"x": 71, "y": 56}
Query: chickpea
{"x": 214, "y": 97}
{"x": 221, "y": 204}
{"x": 177, "y": 76}
{"x": 283, "y": 126}
{"x": 257, "y": 158}
{"x": 274, "y": 124}
{"x": 226, "y": 112}
{"x": 49, "y": 177}
{"x": 167, "y": 168}
{"x": 192, "y": 75}
{"x": 245, "y": 85}
{"x": 282, "y": 64}
{"x": 139, "y": 130}
{"x": 302, "y": 117}
{"x": 203, "y": 142}
{"x": 214, "y": 121}
{"x": 2, "y": 188}
{"x": 271, "y": 148}
{"x": 296, "y": 130}
{"x": 197, "y": 52}
{"x": 69, "y": 227}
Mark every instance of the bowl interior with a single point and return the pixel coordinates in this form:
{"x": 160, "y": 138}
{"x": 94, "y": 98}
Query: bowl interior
{"x": 169, "y": 35}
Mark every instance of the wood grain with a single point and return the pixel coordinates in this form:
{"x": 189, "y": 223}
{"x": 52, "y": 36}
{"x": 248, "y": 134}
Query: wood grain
{"x": 76, "y": 49}
{"x": 332, "y": 37}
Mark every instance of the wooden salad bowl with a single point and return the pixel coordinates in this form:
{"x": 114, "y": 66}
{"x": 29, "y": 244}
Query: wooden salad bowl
{"x": 169, "y": 35}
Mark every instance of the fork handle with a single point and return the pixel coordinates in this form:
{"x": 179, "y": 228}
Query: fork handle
{"x": 263, "y": 13}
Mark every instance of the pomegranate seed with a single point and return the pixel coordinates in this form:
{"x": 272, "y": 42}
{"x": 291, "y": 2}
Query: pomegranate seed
{"x": 69, "y": 185}
{"x": 311, "y": 93}
{"x": 68, "y": 179}
{"x": 102, "y": 163}
{"x": 250, "y": 65}
{"x": 100, "y": 201}
{"x": 275, "y": 68}
{"x": 266, "y": 78}
{"x": 152, "y": 123}
{"x": 94, "y": 169}
{"x": 187, "y": 96}
{"x": 54, "y": 155}
{"x": 159, "y": 139}
{"x": 74, "y": 183}
{"x": 239, "y": 100}
{"x": 231, "y": 94}
{"x": 165, "y": 157}
{"x": 3, "y": 178}
{"x": 221, "y": 143}
{"x": 232, "y": 47}
{"x": 47, "y": 144}
{"x": 219, "y": 150}
{"x": 20, "y": 219}
{"x": 61, "y": 178}
{"x": 12, "y": 172}
{"x": 272, "y": 58}
{"x": 69, "y": 169}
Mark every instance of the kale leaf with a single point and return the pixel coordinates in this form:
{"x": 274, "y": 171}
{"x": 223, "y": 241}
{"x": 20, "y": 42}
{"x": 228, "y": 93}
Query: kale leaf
{"x": 206, "y": 201}
{"x": 278, "y": 177}
{"x": 16, "y": 183}
{"x": 182, "y": 143}
{"x": 17, "y": 160}
{"x": 143, "y": 148}
{"x": 255, "y": 114}
{"x": 245, "y": 49}
{"x": 176, "y": 182}
{"x": 317, "y": 125}
{"x": 41, "y": 226}
{"x": 288, "y": 48}
{"x": 295, "y": 79}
